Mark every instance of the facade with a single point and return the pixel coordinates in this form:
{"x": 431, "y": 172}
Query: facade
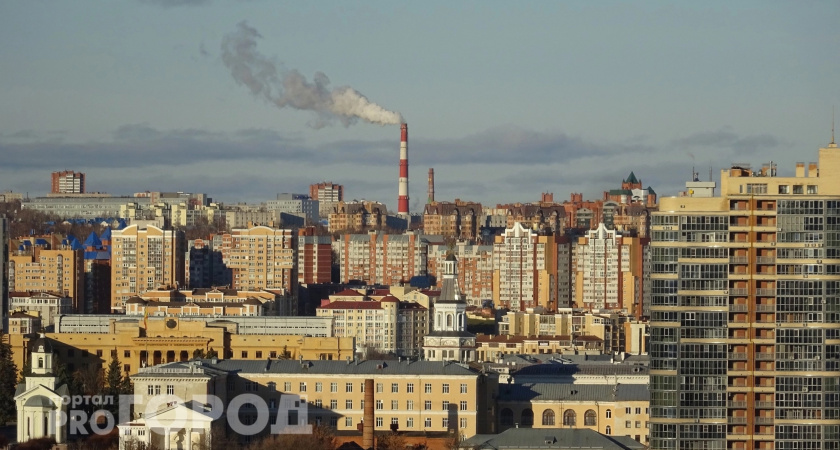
{"x": 609, "y": 271}
{"x": 460, "y": 219}
{"x": 355, "y": 216}
{"x": 474, "y": 271}
{"x": 449, "y": 339}
{"x": 260, "y": 258}
{"x": 47, "y": 305}
{"x": 204, "y": 265}
{"x": 328, "y": 195}
{"x": 4, "y": 265}
{"x": 490, "y": 348}
{"x": 413, "y": 396}
{"x": 87, "y": 206}
{"x": 48, "y": 264}
{"x": 68, "y": 182}
{"x": 525, "y": 265}
{"x": 314, "y": 254}
{"x": 617, "y": 410}
{"x": 745, "y": 328}
{"x": 39, "y": 399}
{"x": 299, "y": 205}
{"x": 97, "y": 262}
{"x": 144, "y": 259}
{"x": 380, "y": 258}
{"x": 372, "y": 323}
{"x": 23, "y": 323}
{"x": 146, "y": 341}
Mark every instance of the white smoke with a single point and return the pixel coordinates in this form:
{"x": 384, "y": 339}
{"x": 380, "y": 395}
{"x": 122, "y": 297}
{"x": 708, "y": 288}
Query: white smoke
{"x": 289, "y": 88}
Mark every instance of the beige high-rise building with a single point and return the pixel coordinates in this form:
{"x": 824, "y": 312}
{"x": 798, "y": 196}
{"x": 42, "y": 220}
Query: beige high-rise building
{"x": 474, "y": 271}
{"x": 47, "y": 264}
{"x": 260, "y": 258}
{"x": 525, "y": 267}
{"x": 143, "y": 259}
{"x": 381, "y": 258}
{"x": 610, "y": 271}
{"x": 745, "y": 311}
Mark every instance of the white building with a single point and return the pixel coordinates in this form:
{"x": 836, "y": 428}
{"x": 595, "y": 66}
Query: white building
{"x": 48, "y": 305}
{"x": 449, "y": 339}
{"x": 296, "y": 204}
{"x": 38, "y": 400}
{"x": 373, "y": 323}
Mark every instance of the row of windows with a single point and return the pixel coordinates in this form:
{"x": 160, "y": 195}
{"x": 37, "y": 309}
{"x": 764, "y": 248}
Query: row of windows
{"x": 348, "y": 387}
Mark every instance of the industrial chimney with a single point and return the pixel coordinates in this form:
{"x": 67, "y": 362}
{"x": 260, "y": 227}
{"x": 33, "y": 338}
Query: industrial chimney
{"x": 367, "y": 421}
{"x": 402, "y": 200}
{"x": 431, "y": 185}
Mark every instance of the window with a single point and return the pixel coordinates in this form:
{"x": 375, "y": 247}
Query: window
{"x": 272, "y": 386}
{"x": 319, "y": 387}
{"x": 333, "y": 404}
{"x": 627, "y": 410}
{"x": 318, "y": 403}
{"x": 348, "y": 421}
{"x": 608, "y": 430}
{"x": 409, "y": 388}
{"x": 395, "y": 388}
{"x": 638, "y": 424}
{"x": 259, "y": 355}
{"x": 445, "y": 422}
{"x": 379, "y": 422}
{"x": 348, "y": 404}
{"x": 590, "y": 418}
{"x": 409, "y": 405}
{"x": 812, "y": 189}
{"x": 409, "y": 423}
{"x": 548, "y": 417}
{"x": 445, "y": 405}
{"x": 170, "y": 389}
{"x": 127, "y": 354}
{"x": 628, "y": 424}
{"x": 395, "y": 405}
{"x": 427, "y": 388}
{"x": 99, "y": 353}
{"x": 151, "y": 390}
{"x": 569, "y": 418}
{"x": 348, "y": 387}
{"x": 287, "y": 386}
{"x": 428, "y": 422}
{"x": 380, "y": 405}
{"x": 463, "y": 405}
{"x": 609, "y": 414}
{"x": 445, "y": 388}
{"x": 784, "y": 189}
{"x": 244, "y": 355}
{"x": 302, "y": 386}
{"x": 379, "y": 388}
{"x": 797, "y": 189}
{"x": 463, "y": 422}
{"x": 463, "y": 388}
{"x": 157, "y": 389}
{"x": 333, "y": 387}
{"x": 638, "y": 410}
{"x": 427, "y": 405}
{"x": 527, "y": 418}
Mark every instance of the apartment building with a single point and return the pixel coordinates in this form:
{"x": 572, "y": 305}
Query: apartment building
{"x": 372, "y": 323}
{"x": 609, "y": 271}
{"x": 314, "y": 254}
{"x": 300, "y": 205}
{"x": 459, "y": 219}
{"x": 475, "y": 269}
{"x": 48, "y": 264}
{"x": 68, "y": 182}
{"x": 260, "y": 258}
{"x": 46, "y": 305}
{"x": 525, "y": 269}
{"x": 745, "y": 313}
{"x": 328, "y": 195}
{"x": 381, "y": 258}
{"x": 144, "y": 259}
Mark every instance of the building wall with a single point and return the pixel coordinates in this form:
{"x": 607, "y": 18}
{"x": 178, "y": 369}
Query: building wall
{"x": 59, "y": 270}
{"x": 525, "y": 269}
{"x": 143, "y": 260}
{"x": 260, "y": 258}
{"x": 68, "y": 182}
{"x": 380, "y": 258}
{"x": 314, "y": 257}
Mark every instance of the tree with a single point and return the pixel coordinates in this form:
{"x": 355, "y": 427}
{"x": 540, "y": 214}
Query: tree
{"x": 321, "y": 438}
{"x": 390, "y": 441}
{"x": 212, "y": 353}
{"x": 8, "y": 383}
{"x": 116, "y": 384}
{"x": 199, "y": 353}
{"x": 89, "y": 379}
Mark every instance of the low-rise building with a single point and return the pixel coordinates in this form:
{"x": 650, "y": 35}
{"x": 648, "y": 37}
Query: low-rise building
{"x": 47, "y": 305}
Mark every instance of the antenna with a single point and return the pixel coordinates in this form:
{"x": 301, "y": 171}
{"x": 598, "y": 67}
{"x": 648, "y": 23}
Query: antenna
{"x": 832, "y": 124}
{"x": 710, "y": 172}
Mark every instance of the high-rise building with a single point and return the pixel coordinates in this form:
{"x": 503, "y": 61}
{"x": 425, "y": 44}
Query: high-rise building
{"x": 609, "y": 271}
{"x": 204, "y": 264}
{"x": 143, "y": 259}
{"x": 4, "y": 270}
{"x": 48, "y": 264}
{"x": 260, "y": 258}
{"x": 296, "y": 204}
{"x": 474, "y": 271}
{"x": 745, "y": 312}
{"x": 328, "y": 195}
{"x": 380, "y": 258}
{"x": 314, "y": 257}
{"x": 68, "y": 182}
{"x": 525, "y": 265}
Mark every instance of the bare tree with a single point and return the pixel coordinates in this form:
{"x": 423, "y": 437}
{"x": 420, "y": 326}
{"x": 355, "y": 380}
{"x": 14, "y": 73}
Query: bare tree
{"x": 392, "y": 440}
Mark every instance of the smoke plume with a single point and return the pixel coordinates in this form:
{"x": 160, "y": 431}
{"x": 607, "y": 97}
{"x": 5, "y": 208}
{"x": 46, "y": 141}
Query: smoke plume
{"x": 283, "y": 87}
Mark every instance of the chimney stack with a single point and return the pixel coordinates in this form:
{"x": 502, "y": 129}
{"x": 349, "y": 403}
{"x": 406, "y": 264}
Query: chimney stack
{"x": 402, "y": 200}
{"x": 367, "y": 427}
{"x": 431, "y": 185}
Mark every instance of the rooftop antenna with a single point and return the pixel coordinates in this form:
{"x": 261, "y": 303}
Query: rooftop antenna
{"x": 832, "y": 124}
{"x": 710, "y": 171}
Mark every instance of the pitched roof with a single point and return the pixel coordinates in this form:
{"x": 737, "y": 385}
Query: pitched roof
{"x": 573, "y": 392}
{"x": 366, "y": 304}
{"x": 386, "y": 367}
{"x": 548, "y": 439}
{"x": 631, "y": 178}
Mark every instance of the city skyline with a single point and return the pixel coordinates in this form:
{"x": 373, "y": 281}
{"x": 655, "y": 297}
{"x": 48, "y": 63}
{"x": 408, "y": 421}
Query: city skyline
{"x": 137, "y": 96}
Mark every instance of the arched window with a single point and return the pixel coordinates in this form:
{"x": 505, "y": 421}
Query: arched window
{"x": 40, "y": 363}
{"x": 608, "y": 431}
{"x": 590, "y": 419}
{"x": 461, "y": 321}
{"x": 548, "y": 417}
{"x": 609, "y": 414}
{"x": 439, "y": 320}
{"x": 449, "y": 321}
{"x": 569, "y": 418}
{"x": 506, "y": 417}
{"x": 527, "y": 417}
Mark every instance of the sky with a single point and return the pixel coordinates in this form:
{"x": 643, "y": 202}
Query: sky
{"x": 505, "y": 100}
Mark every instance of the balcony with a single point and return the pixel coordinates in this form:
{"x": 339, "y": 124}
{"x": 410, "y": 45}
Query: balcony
{"x": 764, "y": 421}
{"x": 738, "y": 259}
{"x": 765, "y": 308}
{"x": 737, "y": 420}
{"x": 766, "y": 260}
{"x": 766, "y": 292}
{"x": 762, "y": 356}
{"x": 738, "y": 291}
{"x": 737, "y": 308}
{"x": 738, "y": 356}
{"x": 739, "y": 404}
{"x": 765, "y": 405}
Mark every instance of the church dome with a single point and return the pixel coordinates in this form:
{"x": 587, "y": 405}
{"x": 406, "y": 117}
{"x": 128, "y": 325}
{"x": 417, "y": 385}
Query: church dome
{"x": 42, "y": 344}
{"x": 39, "y": 401}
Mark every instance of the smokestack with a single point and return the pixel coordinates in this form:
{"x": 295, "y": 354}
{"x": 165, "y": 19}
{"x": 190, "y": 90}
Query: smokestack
{"x": 402, "y": 200}
{"x": 431, "y": 185}
{"x": 367, "y": 430}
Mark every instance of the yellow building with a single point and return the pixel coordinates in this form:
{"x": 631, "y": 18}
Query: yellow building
{"x": 614, "y": 410}
{"x": 145, "y": 341}
{"x": 525, "y": 272}
{"x": 143, "y": 260}
{"x": 260, "y": 258}
{"x": 47, "y": 264}
{"x": 489, "y": 348}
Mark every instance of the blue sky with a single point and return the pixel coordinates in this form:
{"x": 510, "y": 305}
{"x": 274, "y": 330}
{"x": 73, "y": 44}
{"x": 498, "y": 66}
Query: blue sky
{"x": 504, "y": 99}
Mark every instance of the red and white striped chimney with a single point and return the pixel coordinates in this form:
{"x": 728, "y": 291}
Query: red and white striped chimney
{"x": 402, "y": 200}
